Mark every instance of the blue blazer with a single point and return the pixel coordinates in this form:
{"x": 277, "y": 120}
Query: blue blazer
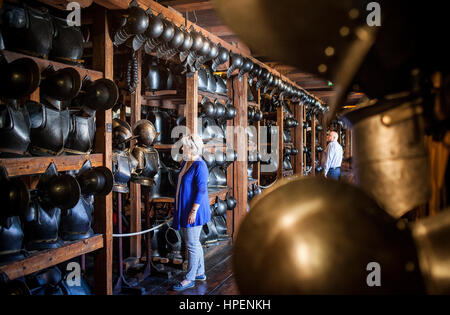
{"x": 193, "y": 189}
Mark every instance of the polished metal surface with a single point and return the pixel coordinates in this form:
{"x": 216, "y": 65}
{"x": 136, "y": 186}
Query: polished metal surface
{"x": 317, "y": 236}
{"x": 389, "y": 155}
{"x": 432, "y": 237}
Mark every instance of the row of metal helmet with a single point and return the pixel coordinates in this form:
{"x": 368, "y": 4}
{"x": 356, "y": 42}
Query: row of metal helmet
{"x": 37, "y": 33}
{"x": 60, "y": 208}
{"x": 63, "y": 120}
{"x": 158, "y": 35}
{"x": 217, "y": 110}
{"x": 216, "y": 229}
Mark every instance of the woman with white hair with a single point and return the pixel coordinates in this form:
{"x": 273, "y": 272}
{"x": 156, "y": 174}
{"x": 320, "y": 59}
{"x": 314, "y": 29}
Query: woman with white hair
{"x": 192, "y": 207}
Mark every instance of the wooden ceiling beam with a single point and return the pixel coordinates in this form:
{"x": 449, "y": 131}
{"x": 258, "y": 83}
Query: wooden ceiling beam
{"x": 220, "y": 30}
{"x": 189, "y": 5}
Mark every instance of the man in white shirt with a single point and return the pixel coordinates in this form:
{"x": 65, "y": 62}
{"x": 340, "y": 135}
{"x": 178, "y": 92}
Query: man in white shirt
{"x": 334, "y": 153}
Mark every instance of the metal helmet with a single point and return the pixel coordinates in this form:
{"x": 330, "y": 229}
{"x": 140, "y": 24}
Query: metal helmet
{"x": 145, "y": 132}
{"x": 19, "y": 78}
{"x": 62, "y": 85}
{"x": 236, "y": 62}
{"x": 221, "y": 58}
{"x": 121, "y": 133}
{"x": 330, "y": 235}
{"x": 102, "y": 94}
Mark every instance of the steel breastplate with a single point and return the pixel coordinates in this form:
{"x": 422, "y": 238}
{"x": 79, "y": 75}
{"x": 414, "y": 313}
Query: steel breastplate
{"x": 81, "y": 135}
{"x": 161, "y": 121}
{"x": 49, "y": 129}
{"x": 217, "y": 177}
{"x": 220, "y": 223}
{"x": 76, "y": 222}
{"x": 147, "y": 165}
{"x": 14, "y": 130}
{"x": 11, "y": 238}
{"x": 33, "y": 37}
{"x": 121, "y": 171}
{"x": 67, "y": 43}
{"x": 202, "y": 80}
{"x": 41, "y": 227}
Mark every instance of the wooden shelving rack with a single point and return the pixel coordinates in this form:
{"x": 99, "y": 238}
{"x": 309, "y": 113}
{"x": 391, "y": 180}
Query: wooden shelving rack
{"x": 29, "y": 166}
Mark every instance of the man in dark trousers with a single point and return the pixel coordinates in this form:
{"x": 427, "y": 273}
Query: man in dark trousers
{"x": 334, "y": 155}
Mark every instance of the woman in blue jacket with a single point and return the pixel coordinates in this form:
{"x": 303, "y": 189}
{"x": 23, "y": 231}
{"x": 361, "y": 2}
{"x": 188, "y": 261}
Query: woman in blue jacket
{"x": 192, "y": 207}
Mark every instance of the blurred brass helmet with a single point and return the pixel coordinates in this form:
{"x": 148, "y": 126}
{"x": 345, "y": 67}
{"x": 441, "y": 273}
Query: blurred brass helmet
{"x": 102, "y": 94}
{"x": 19, "y": 78}
{"x": 145, "y": 132}
{"x": 320, "y": 237}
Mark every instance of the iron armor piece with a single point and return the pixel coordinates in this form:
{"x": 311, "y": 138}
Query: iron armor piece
{"x": 254, "y": 73}
{"x": 11, "y": 240}
{"x": 27, "y": 30}
{"x": 154, "y": 30}
{"x": 217, "y": 177}
{"x": 49, "y": 129}
{"x": 60, "y": 87}
{"x": 231, "y": 201}
{"x": 14, "y": 130}
{"x": 18, "y": 78}
{"x": 145, "y": 133}
{"x": 247, "y": 66}
{"x": 67, "y": 45}
{"x": 41, "y": 226}
{"x": 54, "y": 190}
{"x": 207, "y": 108}
{"x": 153, "y": 77}
{"x": 14, "y": 197}
{"x": 166, "y": 36}
{"x": 81, "y": 134}
{"x": 121, "y": 168}
{"x": 390, "y": 154}
{"x": 99, "y": 95}
{"x": 202, "y": 80}
{"x": 121, "y": 134}
{"x": 230, "y": 110}
{"x": 236, "y": 62}
{"x": 134, "y": 21}
{"x": 211, "y": 85}
{"x": 95, "y": 181}
{"x": 76, "y": 222}
{"x": 147, "y": 165}
{"x": 192, "y": 54}
{"x": 324, "y": 251}
{"x": 161, "y": 120}
{"x": 221, "y": 85}
{"x": 221, "y": 58}
{"x": 173, "y": 240}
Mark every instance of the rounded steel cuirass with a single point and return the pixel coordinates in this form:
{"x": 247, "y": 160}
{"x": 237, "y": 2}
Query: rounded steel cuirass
{"x": 389, "y": 154}
{"x": 28, "y": 30}
{"x": 14, "y": 130}
{"x": 81, "y": 135}
{"x": 76, "y": 222}
{"x": 67, "y": 43}
{"x": 121, "y": 171}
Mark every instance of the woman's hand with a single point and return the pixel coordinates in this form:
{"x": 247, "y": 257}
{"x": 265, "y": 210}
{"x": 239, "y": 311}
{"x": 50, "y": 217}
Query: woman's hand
{"x": 192, "y": 216}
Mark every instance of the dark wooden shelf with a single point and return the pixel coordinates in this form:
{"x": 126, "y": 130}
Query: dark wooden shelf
{"x": 44, "y": 64}
{"x": 212, "y": 96}
{"x": 48, "y": 258}
{"x": 37, "y": 165}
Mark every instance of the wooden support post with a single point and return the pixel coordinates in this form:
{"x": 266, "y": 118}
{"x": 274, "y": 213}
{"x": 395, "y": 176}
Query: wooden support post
{"x": 230, "y": 170}
{"x": 304, "y": 137}
{"x": 348, "y": 141}
{"x": 298, "y": 140}
{"x": 191, "y": 109}
{"x": 135, "y": 189}
{"x": 280, "y": 124}
{"x": 257, "y": 165}
{"x": 313, "y": 145}
{"x": 103, "y": 61}
{"x": 240, "y": 166}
